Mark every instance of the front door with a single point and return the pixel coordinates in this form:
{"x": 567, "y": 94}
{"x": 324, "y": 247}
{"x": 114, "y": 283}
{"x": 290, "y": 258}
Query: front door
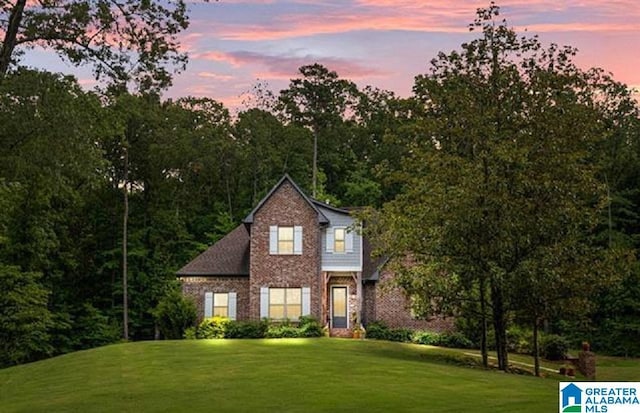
{"x": 339, "y": 307}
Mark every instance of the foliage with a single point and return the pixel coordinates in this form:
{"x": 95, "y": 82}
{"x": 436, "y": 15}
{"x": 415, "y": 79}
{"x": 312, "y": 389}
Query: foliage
{"x": 501, "y": 191}
{"x": 131, "y": 41}
{"x": 519, "y": 340}
{"x": 174, "y": 314}
{"x": 212, "y": 327}
{"x": 24, "y": 317}
{"x": 306, "y": 327}
{"x": 246, "y": 329}
{"x": 555, "y": 347}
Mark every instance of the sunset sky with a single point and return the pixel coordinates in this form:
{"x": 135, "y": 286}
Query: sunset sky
{"x": 383, "y": 43}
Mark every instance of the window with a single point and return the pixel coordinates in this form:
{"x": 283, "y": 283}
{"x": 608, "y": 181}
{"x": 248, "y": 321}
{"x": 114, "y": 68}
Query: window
{"x": 339, "y": 240}
{"x": 285, "y": 240}
{"x": 220, "y": 305}
{"x": 285, "y": 303}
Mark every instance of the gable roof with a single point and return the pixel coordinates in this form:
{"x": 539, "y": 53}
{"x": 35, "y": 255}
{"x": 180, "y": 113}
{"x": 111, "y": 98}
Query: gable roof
{"x": 322, "y": 219}
{"x": 229, "y": 256}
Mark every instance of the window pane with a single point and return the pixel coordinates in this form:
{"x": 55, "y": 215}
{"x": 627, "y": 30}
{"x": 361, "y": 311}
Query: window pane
{"x": 276, "y": 311}
{"x": 276, "y": 296}
{"x": 220, "y": 312}
{"x": 294, "y": 311}
{"x": 339, "y": 302}
{"x": 220, "y": 300}
{"x": 338, "y": 240}
{"x": 285, "y": 234}
{"x": 285, "y": 247}
{"x": 294, "y": 296}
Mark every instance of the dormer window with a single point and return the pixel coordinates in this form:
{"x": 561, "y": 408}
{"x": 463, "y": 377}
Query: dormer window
{"x": 285, "y": 240}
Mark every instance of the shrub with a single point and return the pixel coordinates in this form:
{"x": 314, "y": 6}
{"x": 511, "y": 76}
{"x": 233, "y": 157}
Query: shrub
{"x": 554, "y": 347}
{"x": 285, "y": 330}
{"x": 429, "y": 338}
{"x": 519, "y": 340}
{"x": 377, "y": 330}
{"x": 402, "y": 335}
{"x": 174, "y": 314}
{"x": 246, "y": 329}
{"x": 310, "y": 327}
{"x": 455, "y": 340}
{"x": 213, "y": 327}
{"x": 190, "y": 333}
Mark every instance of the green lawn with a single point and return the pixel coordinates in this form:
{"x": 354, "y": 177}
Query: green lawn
{"x": 302, "y": 375}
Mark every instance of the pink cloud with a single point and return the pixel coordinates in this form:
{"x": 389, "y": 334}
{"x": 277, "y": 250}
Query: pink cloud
{"x": 285, "y": 66}
{"x": 216, "y": 76}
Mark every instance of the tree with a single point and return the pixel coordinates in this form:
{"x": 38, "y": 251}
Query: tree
{"x": 128, "y": 40}
{"x": 501, "y": 186}
{"x": 24, "y": 318}
{"x": 319, "y": 100}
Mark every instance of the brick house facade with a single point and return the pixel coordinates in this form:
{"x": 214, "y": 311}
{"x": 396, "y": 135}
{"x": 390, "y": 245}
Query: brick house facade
{"x": 294, "y": 256}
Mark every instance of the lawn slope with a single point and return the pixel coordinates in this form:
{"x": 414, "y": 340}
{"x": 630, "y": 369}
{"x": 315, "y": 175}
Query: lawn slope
{"x": 304, "y": 375}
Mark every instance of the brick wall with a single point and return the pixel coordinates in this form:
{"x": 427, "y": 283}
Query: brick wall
{"x": 285, "y": 207}
{"x": 392, "y": 307}
{"x": 195, "y": 287}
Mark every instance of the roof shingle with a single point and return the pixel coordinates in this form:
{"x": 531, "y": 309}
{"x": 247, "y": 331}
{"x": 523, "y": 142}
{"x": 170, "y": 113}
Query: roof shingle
{"x": 229, "y": 256}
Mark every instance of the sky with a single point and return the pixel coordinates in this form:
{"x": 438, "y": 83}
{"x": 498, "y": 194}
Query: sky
{"x": 233, "y": 44}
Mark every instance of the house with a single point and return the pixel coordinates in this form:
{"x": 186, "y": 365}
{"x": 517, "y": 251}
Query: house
{"x": 294, "y": 256}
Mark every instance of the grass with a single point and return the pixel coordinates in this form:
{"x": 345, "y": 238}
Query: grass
{"x": 304, "y": 375}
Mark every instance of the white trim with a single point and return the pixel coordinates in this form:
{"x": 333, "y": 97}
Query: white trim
{"x": 341, "y": 269}
{"x": 331, "y": 304}
{"x": 359, "y": 234}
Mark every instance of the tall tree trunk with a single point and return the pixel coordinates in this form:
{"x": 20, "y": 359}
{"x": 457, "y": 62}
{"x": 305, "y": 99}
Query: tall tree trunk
{"x": 500, "y": 325}
{"x": 10, "y": 37}
{"x": 315, "y": 160}
{"x": 536, "y": 348}
{"x": 125, "y": 219}
{"x": 483, "y": 320}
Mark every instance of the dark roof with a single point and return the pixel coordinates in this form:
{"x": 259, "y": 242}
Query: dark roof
{"x": 229, "y": 256}
{"x": 371, "y": 266}
{"x": 322, "y": 219}
{"x": 330, "y": 207}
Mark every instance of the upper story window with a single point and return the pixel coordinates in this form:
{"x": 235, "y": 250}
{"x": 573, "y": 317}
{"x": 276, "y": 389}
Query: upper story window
{"x": 285, "y": 240}
{"x": 339, "y": 240}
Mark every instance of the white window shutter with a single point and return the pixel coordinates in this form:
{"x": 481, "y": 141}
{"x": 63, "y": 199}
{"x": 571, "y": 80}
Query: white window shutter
{"x": 297, "y": 240}
{"x": 330, "y": 240}
{"x": 306, "y": 300}
{"x": 232, "y": 305}
{"x": 348, "y": 242}
{"x": 264, "y": 302}
{"x": 208, "y": 305}
{"x": 273, "y": 239}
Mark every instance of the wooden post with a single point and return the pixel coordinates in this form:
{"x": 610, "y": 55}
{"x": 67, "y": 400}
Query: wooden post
{"x": 359, "y": 298}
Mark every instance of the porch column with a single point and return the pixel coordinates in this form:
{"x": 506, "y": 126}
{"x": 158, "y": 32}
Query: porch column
{"x": 324, "y": 317}
{"x": 359, "y": 298}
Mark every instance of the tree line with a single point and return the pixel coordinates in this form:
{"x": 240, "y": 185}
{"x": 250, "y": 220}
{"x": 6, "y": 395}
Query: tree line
{"x": 510, "y": 177}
